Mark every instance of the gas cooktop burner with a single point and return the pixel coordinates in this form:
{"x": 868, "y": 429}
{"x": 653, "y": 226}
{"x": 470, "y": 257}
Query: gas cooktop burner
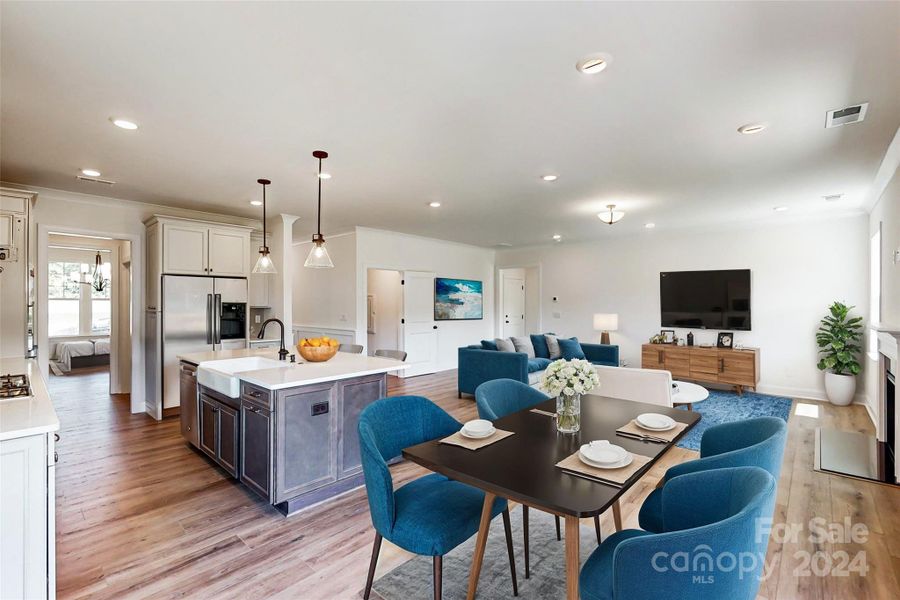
{"x": 14, "y": 386}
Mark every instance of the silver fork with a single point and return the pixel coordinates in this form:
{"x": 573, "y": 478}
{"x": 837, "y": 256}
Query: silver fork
{"x": 644, "y": 438}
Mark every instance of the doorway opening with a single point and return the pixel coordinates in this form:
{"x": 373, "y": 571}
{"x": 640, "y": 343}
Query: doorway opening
{"x": 384, "y": 310}
{"x": 519, "y": 311}
{"x": 89, "y": 307}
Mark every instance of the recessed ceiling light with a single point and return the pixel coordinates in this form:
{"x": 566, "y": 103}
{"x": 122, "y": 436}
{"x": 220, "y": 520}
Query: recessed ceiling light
{"x": 557, "y": 237}
{"x": 593, "y": 64}
{"x": 123, "y": 123}
{"x": 503, "y": 245}
{"x": 751, "y": 128}
{"x": 550, "y": 177}
{"x": 91, "y": 172}
{"x": 434, "y": 204}
{"x": 324, "y": 175}
{"x": 780, "y": 208}
{"x": 256, "y": 202}
{"x": 649, "y": 225}
{"x": 832, "y": 197}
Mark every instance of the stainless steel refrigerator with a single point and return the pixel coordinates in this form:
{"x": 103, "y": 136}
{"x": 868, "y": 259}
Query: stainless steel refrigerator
{"x": 199, "y": 314}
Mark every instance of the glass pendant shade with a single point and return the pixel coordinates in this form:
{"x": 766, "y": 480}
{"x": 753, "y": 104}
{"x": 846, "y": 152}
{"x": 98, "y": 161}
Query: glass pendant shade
{"x": 318, "y": 256}
{"x": 264, "y": 263}
{"x": 611, "y": 216}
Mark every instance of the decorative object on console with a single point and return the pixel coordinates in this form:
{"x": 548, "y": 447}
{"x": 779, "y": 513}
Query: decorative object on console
{"x": 604, "y": 323}
{"x": 612, "y": 216}
{"x": 318, "y": 255}
{"x": 458, "y": 299}
{"x": 725, "y": 339}
{"x": 659, "y": 338}
{"x": 690, "y": 338}
{"x": 568, "y": 381}
{"x": 838, "y": 339}
{"x": 264, "y": 262}
{"x": 668, "y": 336}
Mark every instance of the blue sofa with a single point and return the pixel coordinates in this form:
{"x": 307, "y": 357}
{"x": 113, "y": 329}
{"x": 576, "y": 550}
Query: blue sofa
{"x": 477, "y": 365}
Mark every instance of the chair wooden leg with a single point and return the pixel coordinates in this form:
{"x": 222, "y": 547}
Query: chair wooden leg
{"x": 507, "y": 528}
{"x": 597, "y": 528}
{"x": 617, "y": 515}
{"x": 525, "y": 539}
{"x": 438, "y": 576}
{"x": 375, "y": 549}
{"x": 558, "y": 534}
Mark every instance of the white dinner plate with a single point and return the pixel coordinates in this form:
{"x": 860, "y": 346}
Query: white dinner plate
{"x": 655, "y": 422}
{"x": 478, "y": 426}
{"x": 477, "y": 436}
{"x": 623, "y": 463}
{"x": 603, "y": 453}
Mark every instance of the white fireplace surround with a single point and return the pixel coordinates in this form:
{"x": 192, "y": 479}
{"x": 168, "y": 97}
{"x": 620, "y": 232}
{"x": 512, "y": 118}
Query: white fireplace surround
{"x": 888, "y": 353}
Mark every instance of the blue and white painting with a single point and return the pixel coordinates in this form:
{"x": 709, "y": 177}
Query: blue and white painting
{"x": 457, "y": 299}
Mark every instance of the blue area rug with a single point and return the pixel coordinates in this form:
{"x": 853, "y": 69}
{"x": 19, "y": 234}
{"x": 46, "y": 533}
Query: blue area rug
{"x": 727, "y": 407}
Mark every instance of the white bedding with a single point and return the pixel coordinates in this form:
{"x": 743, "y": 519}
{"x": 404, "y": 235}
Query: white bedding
{"x": 101, "y": 346}
{"x": 65, "y": 351}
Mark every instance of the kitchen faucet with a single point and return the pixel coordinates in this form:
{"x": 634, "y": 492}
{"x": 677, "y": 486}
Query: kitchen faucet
{"x": 282, "y": 354}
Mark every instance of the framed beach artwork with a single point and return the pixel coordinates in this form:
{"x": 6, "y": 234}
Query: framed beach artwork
{"x": 457, "y": 299}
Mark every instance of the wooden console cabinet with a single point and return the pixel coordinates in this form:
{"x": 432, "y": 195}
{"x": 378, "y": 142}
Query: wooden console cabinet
{"x": 739, "y": 368}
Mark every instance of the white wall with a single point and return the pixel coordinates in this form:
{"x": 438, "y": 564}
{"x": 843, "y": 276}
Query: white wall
{"x": 378, "y": 249}
{"x": 384, "y": 285}
{"x": 797, "y": 270}
{"x": 326, "y": 298}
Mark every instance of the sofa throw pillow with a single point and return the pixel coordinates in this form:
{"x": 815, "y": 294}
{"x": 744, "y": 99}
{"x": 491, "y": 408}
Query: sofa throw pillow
{"x": 571, "y": 349}
{"x": 523, "y": 344}
{"x": 504, "y": 345}
{"x": 488, "y": 345}
{"x": 539, "y": 343}
{"x": 552, "y": 347}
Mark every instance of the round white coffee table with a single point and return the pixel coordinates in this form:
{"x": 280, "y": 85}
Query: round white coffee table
{"x": 689, "y": 393}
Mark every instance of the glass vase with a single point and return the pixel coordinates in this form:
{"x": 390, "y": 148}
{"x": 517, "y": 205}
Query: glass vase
{"x": 568, "y": 413}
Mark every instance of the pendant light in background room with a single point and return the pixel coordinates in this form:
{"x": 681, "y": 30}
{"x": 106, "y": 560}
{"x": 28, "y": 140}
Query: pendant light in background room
{"x": 264, "y": 263}
{"x": 318, "y": 255}
{"x": 613, "y": 216}
{"x": 99, "y": 279}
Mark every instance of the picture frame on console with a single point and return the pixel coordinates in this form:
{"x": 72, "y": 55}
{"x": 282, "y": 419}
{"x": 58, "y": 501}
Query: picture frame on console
{"x": 668, "y": 335}
{"x": 725, "y": 339}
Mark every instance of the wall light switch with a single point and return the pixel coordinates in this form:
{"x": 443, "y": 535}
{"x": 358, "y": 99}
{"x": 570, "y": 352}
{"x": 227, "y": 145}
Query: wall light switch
{"x": 256, "y": 319}
{"x": 557, "y": 315}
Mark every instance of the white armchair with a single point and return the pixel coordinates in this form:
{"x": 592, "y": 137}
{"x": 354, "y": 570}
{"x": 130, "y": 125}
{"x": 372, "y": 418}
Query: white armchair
{"x": 640, "y": 385}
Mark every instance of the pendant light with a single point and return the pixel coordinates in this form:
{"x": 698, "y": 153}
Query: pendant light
{"x": 99, "y": 280}
{"x": 318, "y": 256}
{"x": 613, "y": 216}
{"x": 264, "y": 263}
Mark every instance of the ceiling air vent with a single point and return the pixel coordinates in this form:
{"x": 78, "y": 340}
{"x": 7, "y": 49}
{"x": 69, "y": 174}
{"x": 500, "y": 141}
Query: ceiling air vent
{"x": 845, "y": 116}
{"x": 95, "y": 180}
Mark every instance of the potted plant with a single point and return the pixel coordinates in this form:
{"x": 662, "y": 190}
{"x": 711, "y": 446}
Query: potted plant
{"x": 838, "y": 339}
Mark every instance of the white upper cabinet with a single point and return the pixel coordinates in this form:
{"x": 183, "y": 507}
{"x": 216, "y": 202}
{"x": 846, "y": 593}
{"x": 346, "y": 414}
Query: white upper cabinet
{"x": 185, "y": 248}
{"x": 229, "y": 252}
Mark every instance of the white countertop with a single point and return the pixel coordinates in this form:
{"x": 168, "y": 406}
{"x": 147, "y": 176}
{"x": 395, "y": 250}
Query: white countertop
{"x": 344, "y": 365}
{"x": 31, "y": 416}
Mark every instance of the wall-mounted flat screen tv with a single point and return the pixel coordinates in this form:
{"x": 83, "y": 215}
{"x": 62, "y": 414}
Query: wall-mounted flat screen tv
{"x": 706, "y": 299}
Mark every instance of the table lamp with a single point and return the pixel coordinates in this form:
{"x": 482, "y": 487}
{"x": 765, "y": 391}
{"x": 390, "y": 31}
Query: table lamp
{"x": 605, "y": 322}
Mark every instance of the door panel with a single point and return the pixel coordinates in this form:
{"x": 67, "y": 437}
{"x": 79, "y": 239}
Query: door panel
{"x": 189, "y": 408}
{"x": 304, "y": 442}
{"x": 231, "y": 290}
{"x": 185, "y": 248}
{"x": 653, "y": 357}
{"x": 184, "y": 328}
{"x": 513, "y": 308}
{"x": 419, "y": 328}
{"x": 256, "y": 440}
{"x": 227, "y": 454}
{"x": 355, "y": 396}
{"x": 209, "y": 425}
{"x": 228, "y": 251}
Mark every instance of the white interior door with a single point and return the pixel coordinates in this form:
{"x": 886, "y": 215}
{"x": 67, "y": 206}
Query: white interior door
{"x": 419, "y": 329}
{"x": 513, "y": 307}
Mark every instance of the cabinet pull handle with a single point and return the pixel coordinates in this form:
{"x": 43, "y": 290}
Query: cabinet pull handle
{"x": 721, "y": 365}
{"x": 659, "y": 354}
{"x": 56, "y": 457}
{"x": 56, "y": 437}
{"x": 255, "y": 394}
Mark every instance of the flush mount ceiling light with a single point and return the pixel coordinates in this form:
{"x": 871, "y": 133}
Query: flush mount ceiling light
{"x": 649, "y": 225}
{"x": 256, "y": 202}
{"x": 318, "y": 255}
{"x": 593, "y": 64}
{"x": 123, "y": 123}
{"x": 91, "y": 172}
{"x": 264, "y": 262}
{"x": 612, "y": 215}
{"x": 751, "y": 128}
{"x": 434, "y": 204}
{"x": 324, "y": 175}
{"x": 557, "y": 238}
{"x": 780, "y": 208}
{"x": 549, "y": 177}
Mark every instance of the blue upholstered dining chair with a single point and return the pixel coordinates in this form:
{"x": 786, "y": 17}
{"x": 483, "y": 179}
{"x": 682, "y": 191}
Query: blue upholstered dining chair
{"x": 709, "y": 545}
{"x": 496, "y": 399}
{"x": 430, "y": 515}
{"x": 755, "y": 442}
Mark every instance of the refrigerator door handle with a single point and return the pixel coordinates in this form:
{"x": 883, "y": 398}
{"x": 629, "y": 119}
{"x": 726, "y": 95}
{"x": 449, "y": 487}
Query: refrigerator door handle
{"x": 209, "y": 315}
{"x": 218, "y": 318}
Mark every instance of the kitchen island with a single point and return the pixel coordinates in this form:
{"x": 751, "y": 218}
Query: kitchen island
{"x": 286, "y": 430}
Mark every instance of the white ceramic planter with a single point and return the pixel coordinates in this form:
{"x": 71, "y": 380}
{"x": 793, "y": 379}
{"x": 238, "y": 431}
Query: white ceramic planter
{"x": 840, "y": 388}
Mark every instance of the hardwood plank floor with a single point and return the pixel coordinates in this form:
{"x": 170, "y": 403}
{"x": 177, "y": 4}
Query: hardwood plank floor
{"x": 142, "y": 515}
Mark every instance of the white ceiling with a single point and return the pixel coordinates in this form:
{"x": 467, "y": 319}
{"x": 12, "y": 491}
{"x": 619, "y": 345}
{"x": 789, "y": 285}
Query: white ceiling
{"x": 464, "y": 103}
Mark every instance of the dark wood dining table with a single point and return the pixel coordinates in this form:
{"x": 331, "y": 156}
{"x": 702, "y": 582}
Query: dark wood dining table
{"x": 522, "y": 468}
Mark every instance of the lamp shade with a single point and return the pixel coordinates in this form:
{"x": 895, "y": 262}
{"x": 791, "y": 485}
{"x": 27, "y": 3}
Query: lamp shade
{"x": 606, "y": 322}
{"x": 318, "y": 257}
{"x": 264, "y": 264}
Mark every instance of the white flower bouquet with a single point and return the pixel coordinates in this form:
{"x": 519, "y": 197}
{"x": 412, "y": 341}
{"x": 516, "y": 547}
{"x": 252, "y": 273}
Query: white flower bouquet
{"x": 568, "y": 380}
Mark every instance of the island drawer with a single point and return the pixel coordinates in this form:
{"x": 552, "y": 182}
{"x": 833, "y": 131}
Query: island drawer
{"x": 257, "y": 395}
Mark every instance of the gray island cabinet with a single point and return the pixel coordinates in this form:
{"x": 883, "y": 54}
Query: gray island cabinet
{"x": 294, "y": 445}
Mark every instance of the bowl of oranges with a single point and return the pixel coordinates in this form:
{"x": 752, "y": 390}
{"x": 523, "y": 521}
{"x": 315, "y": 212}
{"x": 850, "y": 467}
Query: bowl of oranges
{"x": 318, "y": 349}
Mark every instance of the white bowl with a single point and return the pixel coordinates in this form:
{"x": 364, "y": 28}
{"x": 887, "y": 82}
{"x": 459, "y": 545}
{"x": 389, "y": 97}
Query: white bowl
{"x": 478, "y": 426}
{"x": 655, "y": 421}
{"x": 477, "y": 436}
{"x": 604, "y": 453}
